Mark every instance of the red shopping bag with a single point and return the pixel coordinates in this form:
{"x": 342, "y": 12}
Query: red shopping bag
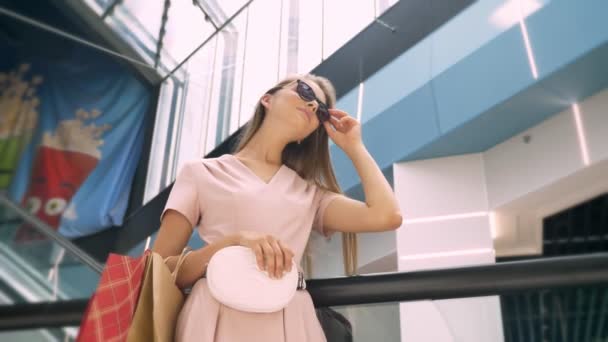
{"x": 110, "y": 311}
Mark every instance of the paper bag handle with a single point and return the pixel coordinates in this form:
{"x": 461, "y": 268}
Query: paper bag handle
{"x": 180, "y": 261}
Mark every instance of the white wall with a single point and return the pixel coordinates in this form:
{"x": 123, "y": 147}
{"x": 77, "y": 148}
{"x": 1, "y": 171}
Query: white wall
{"x": 462, "y": 210}
{"x": 563, "y": 163}
{"x": 447, "y": 225}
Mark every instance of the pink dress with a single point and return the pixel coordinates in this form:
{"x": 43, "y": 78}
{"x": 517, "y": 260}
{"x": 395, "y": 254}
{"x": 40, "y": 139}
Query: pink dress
{"x": 225, "y": 196}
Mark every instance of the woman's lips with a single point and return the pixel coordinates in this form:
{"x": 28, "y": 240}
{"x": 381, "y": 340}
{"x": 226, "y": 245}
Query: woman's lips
{"x": 306, "y": 112}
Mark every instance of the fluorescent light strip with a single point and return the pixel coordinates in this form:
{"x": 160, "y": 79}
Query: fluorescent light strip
{"x": 423, "y": 256}
{"x": 447, "y": 217}
{"x": 580, "y": 130}
{"x": 493, "y": 225}
{"x": 524, "y": 32}
{"x": 360, "y": 102}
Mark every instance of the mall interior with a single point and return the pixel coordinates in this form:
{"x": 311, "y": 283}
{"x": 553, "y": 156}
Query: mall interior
{"x": 489, "y": 119}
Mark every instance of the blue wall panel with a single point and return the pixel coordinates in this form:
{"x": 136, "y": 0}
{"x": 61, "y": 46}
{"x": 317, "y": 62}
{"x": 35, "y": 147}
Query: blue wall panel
{"x": 407, "y": 124}
{"x": 488, "y": 95}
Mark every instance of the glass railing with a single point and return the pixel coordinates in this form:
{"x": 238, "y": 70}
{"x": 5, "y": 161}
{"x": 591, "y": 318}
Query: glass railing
{"x": 566, "y": 314}
{"x": 40, "y": 266}
{"x": 551, "y": 299}
{"x": 552, "y": 315}
{"x": 41, "y": 335}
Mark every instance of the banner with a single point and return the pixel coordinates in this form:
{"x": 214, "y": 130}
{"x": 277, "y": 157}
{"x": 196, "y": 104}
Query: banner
{"x": 71, "y": 135}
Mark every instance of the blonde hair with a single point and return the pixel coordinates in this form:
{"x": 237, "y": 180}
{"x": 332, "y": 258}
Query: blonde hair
{"x": 310, "y": 159}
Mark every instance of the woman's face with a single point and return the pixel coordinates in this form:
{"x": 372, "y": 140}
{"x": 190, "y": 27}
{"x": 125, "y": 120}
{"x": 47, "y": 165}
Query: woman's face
{"x": 296, "y": 115}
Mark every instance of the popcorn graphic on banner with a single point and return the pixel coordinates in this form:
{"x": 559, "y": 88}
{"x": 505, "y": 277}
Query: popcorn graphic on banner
{"x": 18, "y": 118}
{"x": 63, "y": 161}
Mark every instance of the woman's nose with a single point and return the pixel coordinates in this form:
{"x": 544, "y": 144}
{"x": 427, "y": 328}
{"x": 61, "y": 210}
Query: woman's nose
{"x": 312, "y": 105}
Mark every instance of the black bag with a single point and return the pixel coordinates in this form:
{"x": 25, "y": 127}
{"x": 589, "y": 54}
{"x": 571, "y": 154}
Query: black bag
{"x": 336, "y": 327}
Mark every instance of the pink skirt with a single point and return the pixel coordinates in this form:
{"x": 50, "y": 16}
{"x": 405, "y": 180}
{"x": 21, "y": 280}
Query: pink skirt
{"x": 204, "y": 319}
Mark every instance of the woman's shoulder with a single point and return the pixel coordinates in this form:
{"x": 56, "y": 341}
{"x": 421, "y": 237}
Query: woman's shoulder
{"x": 200, "y": 167}
{"x": 203, "y": 163}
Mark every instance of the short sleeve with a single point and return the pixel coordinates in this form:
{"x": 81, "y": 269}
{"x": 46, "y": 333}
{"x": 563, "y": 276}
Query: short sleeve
{"x": 322, "y": 200}
{"x": 184, "y": 197}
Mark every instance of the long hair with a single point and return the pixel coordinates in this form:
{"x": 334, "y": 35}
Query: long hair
{"x": 310, "y": 159}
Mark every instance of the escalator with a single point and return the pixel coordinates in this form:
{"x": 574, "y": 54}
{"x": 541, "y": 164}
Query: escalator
{"x": 40, "y": 267}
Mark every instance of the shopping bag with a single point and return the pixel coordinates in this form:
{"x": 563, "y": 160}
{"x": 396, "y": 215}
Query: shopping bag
{"x": 125, "y": 297}
{"x": 110, "y": 310}
{"x": 160, "y": 302}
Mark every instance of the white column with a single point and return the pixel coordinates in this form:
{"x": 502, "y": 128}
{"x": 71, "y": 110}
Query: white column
{"x": 447, "y": 224}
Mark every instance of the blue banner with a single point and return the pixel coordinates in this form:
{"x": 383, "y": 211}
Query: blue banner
{"x": 71, "y": 135}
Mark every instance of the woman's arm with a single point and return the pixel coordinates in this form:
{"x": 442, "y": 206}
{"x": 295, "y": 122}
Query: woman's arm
{"x": 380, "y": 211}
{"x": 175, "y": 231}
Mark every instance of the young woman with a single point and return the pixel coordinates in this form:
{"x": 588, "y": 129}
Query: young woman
{"x": 268, "y": 196}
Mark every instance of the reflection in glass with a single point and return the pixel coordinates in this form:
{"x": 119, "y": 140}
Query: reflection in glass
{"x": 39, "y": 269}
{"x": 309, "y": 32}
{"x": 147, "y": 14}
{"x": 261, "y": 54}
{"x": 186, "y": 29}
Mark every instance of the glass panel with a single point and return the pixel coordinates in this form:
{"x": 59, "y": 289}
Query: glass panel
{"x": 185, "y": 130}
{"x": 309, "y": 33}
{"x": 130, "y": 28}
{"x": 336, "y": 30}
{"x": 145, "y": 14}
{"x": 199, "y": 105}
{"x": 99, "y": 6}
{"x": 228, "y": 8}
{"x": 552, "y": 315}
{"x": 238, "y": 36}
{"x": 370, "y": 322}
{"x": 38, "y": 269}
{"x": 186, "y": 29}
{"x": 576, "y": 314}
{"x": 139, "y": 22}
{"x": 41, "y": 335}
{"x": 262, "y": 54}
{"x": 167, "y": 110}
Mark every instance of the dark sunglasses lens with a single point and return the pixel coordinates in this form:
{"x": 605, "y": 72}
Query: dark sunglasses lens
{"x": 323, "y": 113}
{"x": 305, "y": 91}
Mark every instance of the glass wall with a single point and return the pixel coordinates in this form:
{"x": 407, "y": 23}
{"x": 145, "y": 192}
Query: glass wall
{"x": 216, "y": 60}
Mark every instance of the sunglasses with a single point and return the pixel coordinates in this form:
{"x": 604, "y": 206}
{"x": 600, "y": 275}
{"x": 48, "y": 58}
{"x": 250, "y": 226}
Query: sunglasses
{"x": 307, "y": 94}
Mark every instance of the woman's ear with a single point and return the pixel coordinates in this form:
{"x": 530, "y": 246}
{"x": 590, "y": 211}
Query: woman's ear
{"x": 265, "y": 100}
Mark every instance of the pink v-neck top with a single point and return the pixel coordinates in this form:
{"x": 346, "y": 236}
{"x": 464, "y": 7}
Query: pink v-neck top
{"x": 223, "y": 196}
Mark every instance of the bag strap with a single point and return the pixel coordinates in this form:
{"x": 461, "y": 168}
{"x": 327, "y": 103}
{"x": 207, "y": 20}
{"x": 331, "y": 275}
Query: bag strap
{"x": 301, "y": 282}
{"x": 180, "y": 261}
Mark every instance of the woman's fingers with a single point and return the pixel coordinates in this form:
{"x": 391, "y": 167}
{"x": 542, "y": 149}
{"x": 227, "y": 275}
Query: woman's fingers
{"x": 278, "y": 258}
{"x": 268, "y": 257}
{"x": 338, "y": 113}
{"x": 259, "y": 256}
{"x": 273, "y": 256}
{"x": 288, "y": 254}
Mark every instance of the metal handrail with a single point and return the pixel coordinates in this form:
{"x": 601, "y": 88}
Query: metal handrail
{"x": 50, "y": 233}
{"x": 486, "y": 280}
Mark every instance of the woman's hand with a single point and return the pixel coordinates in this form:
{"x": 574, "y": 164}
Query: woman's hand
{"x": 344, "y": 130}
{"x": 271, "y": 254}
